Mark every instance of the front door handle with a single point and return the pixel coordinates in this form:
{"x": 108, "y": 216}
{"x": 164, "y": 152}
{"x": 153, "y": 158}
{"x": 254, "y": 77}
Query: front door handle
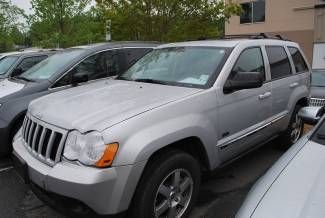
{"x": 293, "y": 85}
{"x": 265, "y": 95}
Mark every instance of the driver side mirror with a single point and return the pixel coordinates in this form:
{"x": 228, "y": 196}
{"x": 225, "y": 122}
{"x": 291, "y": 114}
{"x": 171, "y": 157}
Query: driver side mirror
{"x": 16, "y": 72}
{"x": 311, "y": 115}
{"x": 78, "y": 78}
{"x": 243, "y": 80}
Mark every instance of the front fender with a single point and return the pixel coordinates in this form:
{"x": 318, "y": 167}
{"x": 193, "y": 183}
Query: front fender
{"x": 146, "y": 141}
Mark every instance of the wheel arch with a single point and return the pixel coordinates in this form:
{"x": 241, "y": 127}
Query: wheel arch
{"x": 191, "y": 145}
{"x": 302, "y": 101}
{"x": 15, "y": 122}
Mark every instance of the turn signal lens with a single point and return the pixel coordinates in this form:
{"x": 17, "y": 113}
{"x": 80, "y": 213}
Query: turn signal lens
{"x": 108, "y": 156}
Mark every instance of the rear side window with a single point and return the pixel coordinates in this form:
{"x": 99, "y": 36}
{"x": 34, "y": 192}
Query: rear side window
{"x": 97, "y": 66}
{"x": 134, "y": 54}
{"x": 298, "y": 60}
{"x": 279, "y": 62}
{"x": 30, "y": 62}
{"x": 250, "y": 60}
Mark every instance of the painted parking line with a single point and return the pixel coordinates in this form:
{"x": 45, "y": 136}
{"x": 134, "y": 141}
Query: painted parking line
{"x": 5, "y": 169}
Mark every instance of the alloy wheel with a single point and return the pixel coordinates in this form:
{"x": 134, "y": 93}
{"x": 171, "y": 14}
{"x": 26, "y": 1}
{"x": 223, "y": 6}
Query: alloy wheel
{"x": 296, "y": 129}
{"x": 174, "y": 194}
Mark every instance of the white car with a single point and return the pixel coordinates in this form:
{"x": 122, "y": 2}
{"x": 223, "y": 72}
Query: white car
{"x": 295, "y": 186}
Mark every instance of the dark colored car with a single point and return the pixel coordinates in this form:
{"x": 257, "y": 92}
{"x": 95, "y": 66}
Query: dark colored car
{"x": 317, "y": 91}
{"x": 16, "y": 63}
{"x": 65, "y": 69}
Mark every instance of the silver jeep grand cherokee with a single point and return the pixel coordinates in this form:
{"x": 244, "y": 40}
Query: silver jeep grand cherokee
{"x": 139, "y": 143}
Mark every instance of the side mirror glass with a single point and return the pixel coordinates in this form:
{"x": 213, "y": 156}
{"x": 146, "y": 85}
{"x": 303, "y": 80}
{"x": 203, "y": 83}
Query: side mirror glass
{"x": 244, "y": 80}
{"x": 78, "y": 78}
{"x": 311, "y": 115}
{"x": 16, "y": 72}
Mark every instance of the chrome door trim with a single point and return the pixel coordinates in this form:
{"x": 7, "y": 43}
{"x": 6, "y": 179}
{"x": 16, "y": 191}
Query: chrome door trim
{"x": 226, "y": 144}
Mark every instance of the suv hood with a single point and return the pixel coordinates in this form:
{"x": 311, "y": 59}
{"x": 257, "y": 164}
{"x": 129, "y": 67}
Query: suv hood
{"x": 7, "y": 87}
{"x": 100, "y": 105}
{"x": 299, "y": 191}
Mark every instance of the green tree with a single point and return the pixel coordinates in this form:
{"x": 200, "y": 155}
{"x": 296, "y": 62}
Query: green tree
{"x": 10, "y": 25}
{"x": 58, "y": 22}
{"x": 167, "y": 20}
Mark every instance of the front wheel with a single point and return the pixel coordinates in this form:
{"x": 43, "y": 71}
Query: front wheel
{"x": 168, "y": 187}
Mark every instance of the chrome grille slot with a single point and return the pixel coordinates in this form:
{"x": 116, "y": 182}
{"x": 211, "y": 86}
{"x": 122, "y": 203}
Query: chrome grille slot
{"x": 43, "y": 141}
{"x": 316, "y": 102}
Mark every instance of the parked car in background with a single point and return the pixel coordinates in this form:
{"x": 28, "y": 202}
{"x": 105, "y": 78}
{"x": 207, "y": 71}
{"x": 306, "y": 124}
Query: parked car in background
{"x": 294, "y": 187}
{"x": 139, "y": 143}
{"x": 65, "y": 69}
{"x": 317, "y": 91}
{"x": 15, "y": 63}
{"x": 8, "y": 53}
{"x": 319, "y": 55}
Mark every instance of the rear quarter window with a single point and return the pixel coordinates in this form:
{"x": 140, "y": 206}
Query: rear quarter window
{"x": 298, "y": 60}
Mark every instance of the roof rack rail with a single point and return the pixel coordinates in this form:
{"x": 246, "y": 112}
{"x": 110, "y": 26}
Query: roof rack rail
{"x": 281, "y": 37}
{"x": 255, "y": 36}
{"x": 246, "y": 36}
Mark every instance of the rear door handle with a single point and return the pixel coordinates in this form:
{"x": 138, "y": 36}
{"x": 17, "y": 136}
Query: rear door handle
{"x": 293, "y": 85}
{"x": 265, "y": 95}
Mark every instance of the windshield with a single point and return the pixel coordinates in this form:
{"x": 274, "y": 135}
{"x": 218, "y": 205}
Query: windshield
{"x": 182, "y": 66}
{"x": 6, "y": 63}
{"x": 50, "y": 66}
{"x": 318, "y": 79}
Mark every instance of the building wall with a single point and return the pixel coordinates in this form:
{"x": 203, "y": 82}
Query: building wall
{"x": 294, "y": 19}
{"x": 320, "y": 22}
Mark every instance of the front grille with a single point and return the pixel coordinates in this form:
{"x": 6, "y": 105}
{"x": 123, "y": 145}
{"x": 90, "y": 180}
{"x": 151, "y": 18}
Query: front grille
{"x": 43, "y": 141}
{"x": 316, "y": 102}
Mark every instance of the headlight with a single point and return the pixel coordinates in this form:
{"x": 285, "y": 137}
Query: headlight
{"x": 89, "y": 149}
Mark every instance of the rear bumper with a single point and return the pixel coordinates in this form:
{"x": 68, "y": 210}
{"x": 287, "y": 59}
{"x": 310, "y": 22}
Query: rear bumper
{"x": 105, "y": 191}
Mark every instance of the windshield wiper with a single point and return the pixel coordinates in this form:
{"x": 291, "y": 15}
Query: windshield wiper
{"x": 24, "y": 78}
{"x": 151, "y": 81}
{"x": 122, "y": 78}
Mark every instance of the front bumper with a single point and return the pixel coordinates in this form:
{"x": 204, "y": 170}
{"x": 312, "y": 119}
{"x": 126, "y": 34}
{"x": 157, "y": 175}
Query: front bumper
{"x": 4, "y": 137}
{"x": 316, "y": 102}
{"x": 67, "y": 206}
{"x": 105, "y": 191}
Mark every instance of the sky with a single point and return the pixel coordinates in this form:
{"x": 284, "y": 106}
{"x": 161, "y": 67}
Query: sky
{"x": 24, "y": 4}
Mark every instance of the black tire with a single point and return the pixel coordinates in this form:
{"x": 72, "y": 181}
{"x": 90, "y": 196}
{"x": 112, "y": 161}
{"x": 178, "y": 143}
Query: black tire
{"x": 159, "y": 171}
{"x": 296, "y": 124}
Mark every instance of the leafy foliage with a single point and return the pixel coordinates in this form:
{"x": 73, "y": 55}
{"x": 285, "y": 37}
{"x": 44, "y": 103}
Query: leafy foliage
{"x": 66, "y": 23}
{"x": 63, "y": 23}
{"x": 10, "y": 25}
{"x": 167, "y": 20}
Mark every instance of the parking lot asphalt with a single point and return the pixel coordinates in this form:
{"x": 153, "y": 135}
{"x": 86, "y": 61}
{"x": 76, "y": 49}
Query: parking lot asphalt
{"x": 221, "y": 193}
